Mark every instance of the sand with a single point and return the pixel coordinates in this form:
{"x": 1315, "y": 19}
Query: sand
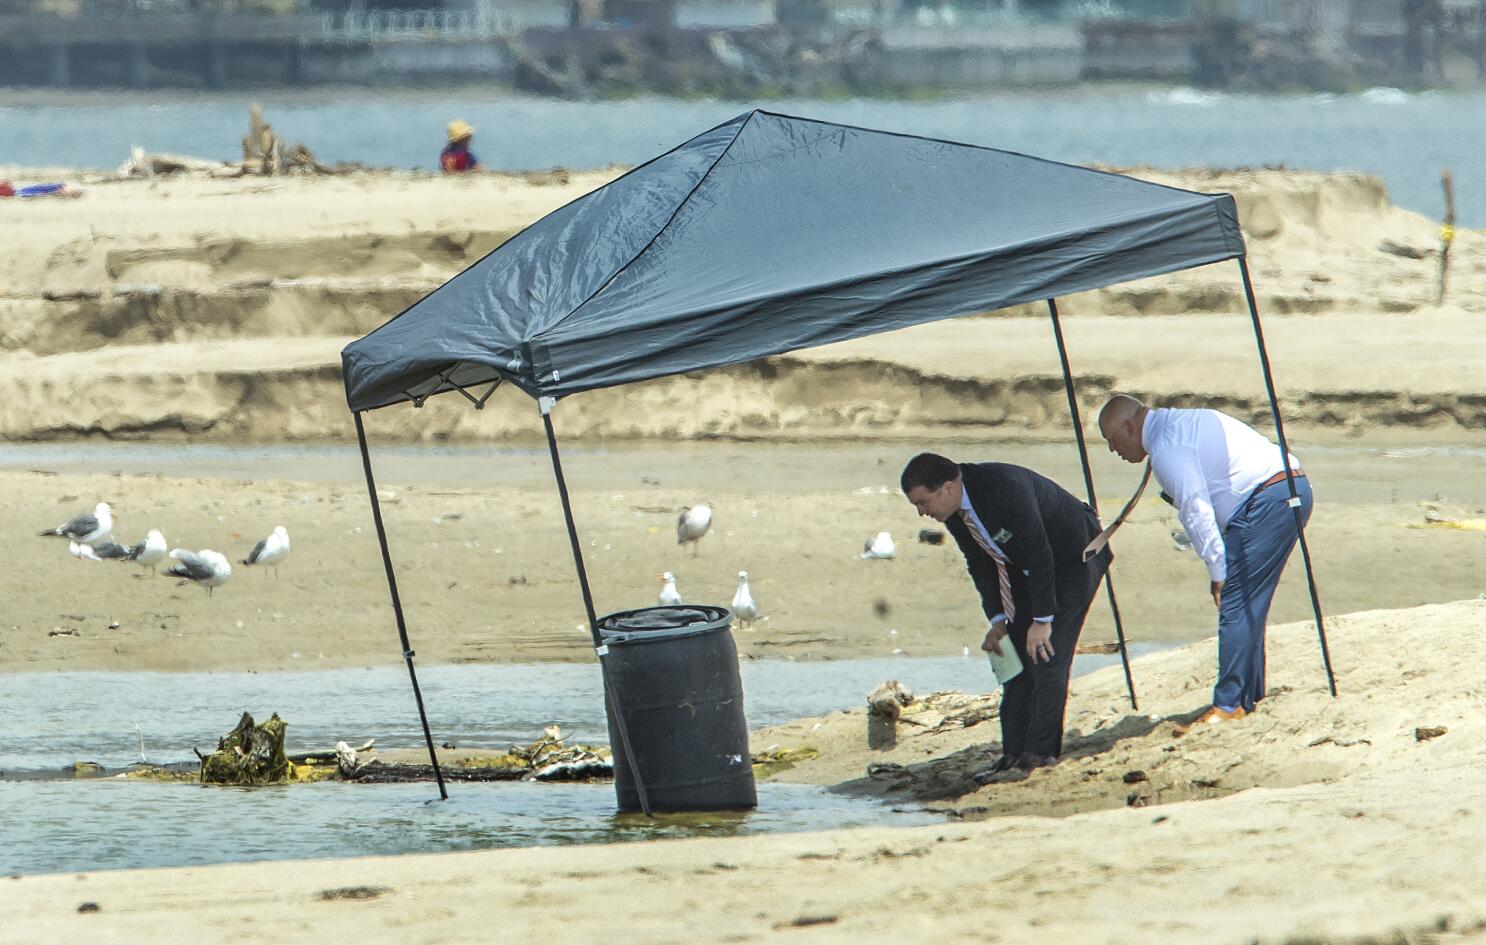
{"x": 485, "y": 571}
{"x": 195, "y": 311}
{"x": 1315, "y": 820}
{"x": 216, "y": 309}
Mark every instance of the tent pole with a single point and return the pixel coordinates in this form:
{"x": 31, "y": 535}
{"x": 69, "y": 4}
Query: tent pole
{"x": 546, "y": 404}
{"x": 1083, "y": 456}
{"x": 1279, "y": 429}
{"x": 402, "y": 627}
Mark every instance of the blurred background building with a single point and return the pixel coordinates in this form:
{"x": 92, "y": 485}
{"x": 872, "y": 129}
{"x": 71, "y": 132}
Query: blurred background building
{"x": 741, "y": 47}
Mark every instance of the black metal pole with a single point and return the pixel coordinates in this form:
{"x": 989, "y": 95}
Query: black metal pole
{"x": 1083, "y": 456}
{"x": 402, "y": 627}
{"x": 1279, "y": 429}
{"x": 546, "y": 404}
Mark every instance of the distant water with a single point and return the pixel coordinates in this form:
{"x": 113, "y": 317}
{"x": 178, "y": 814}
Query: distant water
{"x": 1404, "y": 138}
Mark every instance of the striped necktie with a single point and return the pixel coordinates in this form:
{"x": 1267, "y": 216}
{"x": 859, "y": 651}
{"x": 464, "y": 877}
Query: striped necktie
{"x": 1003, "y": 572}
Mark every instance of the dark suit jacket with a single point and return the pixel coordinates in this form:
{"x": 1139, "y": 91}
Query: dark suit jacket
{"x": 1041, "y": 529}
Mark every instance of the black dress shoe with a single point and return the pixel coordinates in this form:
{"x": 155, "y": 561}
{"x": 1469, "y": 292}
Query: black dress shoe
{"x": 1002, "y": 765}
{"x": 1028, "y": 761}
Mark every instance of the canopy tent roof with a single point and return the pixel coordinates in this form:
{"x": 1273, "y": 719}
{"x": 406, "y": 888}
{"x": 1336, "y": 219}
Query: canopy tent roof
{"x": 770, "y": 233}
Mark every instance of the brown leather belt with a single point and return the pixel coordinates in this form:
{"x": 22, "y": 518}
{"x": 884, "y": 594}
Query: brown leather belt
{"x": 1276, "y": 479}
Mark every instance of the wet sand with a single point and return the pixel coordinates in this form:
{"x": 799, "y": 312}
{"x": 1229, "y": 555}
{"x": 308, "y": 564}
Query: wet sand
{"x": 485, "y": 571}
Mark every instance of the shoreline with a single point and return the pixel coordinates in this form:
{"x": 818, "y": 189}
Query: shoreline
{"x": 1267, "y": 829}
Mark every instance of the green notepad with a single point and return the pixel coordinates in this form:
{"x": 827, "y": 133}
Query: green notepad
{"x": 1005, "y": 667}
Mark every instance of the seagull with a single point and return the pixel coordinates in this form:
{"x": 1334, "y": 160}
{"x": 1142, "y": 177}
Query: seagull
{"x": 205, "y": 568}
{"x": 111, "y": 551}
{"x": 271, "y": 550}
{"x": 87, "y": 529}
{"x": 150, "y": 551}
{"x": 84, "y": 552}
{"x": 669, "y": 596}
{"x": 745, "y": 608}
{"x": 692, "y": 524}
{"x": 880, "y": 547}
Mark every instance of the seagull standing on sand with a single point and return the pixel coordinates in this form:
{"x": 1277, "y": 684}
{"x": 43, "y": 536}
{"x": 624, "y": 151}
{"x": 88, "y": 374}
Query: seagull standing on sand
{"x": 205, "y": 568}
{"x": 692, "y": 524}
{"x": 880, "y": 547}
{"x": 150, "y": 551}
{"x": 87, "y": 529}
{"x": 745, "y": 608}
{"x": 669, "y": 596}
{"x": 271, "y": 550}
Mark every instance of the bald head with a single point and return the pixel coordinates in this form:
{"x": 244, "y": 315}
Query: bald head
{"x": 1121, "y": 423}
{"x": 1118, "y": 409}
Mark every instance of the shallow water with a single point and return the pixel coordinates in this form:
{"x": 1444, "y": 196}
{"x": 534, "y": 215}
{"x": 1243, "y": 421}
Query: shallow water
{"x": 48, "y": 721}
{"x": 1357, "y": 471}
{"x": 1405, "y": 138}
{"x": 65, "y": 826}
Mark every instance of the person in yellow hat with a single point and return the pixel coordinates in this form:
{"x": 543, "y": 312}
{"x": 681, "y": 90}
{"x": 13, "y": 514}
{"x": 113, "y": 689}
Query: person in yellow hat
{"x": 457, "y": 156}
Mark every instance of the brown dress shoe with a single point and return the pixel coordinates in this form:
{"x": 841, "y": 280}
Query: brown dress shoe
{"x": 1212, "y": 716}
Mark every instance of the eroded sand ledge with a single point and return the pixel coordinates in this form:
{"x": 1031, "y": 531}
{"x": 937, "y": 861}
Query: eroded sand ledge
{"x": 216, "y": 309}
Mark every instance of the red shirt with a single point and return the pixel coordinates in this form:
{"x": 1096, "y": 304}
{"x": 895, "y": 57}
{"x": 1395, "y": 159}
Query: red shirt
{"x": 458, "y": 157}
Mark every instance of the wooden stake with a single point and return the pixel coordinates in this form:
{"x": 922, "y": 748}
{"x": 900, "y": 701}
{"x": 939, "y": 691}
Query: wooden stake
{"x": 1447, "y": 231}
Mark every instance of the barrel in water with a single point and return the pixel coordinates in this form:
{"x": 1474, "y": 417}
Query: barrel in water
{"x": 674, "y": 673}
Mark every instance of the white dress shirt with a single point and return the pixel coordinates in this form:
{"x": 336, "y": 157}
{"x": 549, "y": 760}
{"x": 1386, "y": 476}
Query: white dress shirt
{"x": 974, "y": 522}
{"x": 1209, "y": 463}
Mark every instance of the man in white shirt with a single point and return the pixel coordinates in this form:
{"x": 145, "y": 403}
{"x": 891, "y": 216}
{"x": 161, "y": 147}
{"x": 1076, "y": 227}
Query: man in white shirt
{"x": 1227, "y": 482}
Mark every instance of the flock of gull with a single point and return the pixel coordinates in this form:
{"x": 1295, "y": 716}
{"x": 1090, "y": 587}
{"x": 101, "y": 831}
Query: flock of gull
{"x": 691, "y": 524}
{"x": 694, "y": 521}
{"x": 90, "y": 538}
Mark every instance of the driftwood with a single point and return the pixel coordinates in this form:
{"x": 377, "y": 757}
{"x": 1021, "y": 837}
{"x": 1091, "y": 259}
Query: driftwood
{"x": 249, "y": 754}
{"x": 546, "y": 759}
{"x": 141, "y": 164}
{"x": 884, "y": 706}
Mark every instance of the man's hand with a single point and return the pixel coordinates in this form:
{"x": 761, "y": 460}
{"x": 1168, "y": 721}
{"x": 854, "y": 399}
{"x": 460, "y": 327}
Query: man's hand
{"x": 1217, "y": 592}
{"x": 1040, "y": 642}
{"x": 994, "y": 636}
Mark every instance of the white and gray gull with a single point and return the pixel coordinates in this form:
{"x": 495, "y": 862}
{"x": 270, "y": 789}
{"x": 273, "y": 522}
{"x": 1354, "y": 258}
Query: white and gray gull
{"x": 691, "y": 524}
{"x": 111, "y": 551}
{"x": 206, "y": 568}
{"x": 87, "y": 529}
{"x": 745, "y": 608}
{"x": 150, "y": 551}
{"x": 270, "y": 551}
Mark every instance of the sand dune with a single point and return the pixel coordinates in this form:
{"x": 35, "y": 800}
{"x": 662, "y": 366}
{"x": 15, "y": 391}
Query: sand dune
{"x": 1336, "y": 376}
{"x": 187, "y": 266}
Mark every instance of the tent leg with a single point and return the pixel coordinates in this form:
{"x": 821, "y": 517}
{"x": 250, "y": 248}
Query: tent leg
{"x": 1279, "y": 429}
{"x": 402, "y": 627}
{"x": 1083, "y": 456}
{"x": 593, "y": 620}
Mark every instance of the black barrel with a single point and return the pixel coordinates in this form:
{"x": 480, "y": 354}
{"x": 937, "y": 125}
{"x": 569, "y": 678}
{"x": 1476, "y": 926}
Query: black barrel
{"x": 674, "y": 673}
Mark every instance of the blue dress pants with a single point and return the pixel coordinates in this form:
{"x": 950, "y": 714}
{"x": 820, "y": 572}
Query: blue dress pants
{"x": 1259, "y": 539}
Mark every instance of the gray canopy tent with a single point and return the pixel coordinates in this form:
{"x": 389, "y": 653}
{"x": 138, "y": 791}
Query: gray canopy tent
{"x": 771, "y": 233}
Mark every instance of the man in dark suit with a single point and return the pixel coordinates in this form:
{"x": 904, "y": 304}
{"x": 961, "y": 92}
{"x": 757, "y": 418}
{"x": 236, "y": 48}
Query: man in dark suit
{"x": 1023, "y": 537}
